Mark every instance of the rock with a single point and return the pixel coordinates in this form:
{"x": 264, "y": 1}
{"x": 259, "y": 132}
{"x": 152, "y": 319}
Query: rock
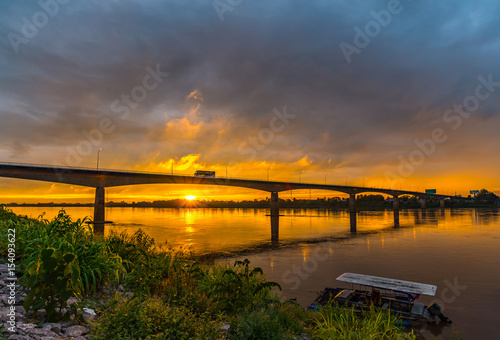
{"x": 4, "y": 313}
{"x": 72, "y": 300}
{"x": 89, "y": 311}
{"x": 75, "y": 331}
{"x": 88, "y": 314}
{"x": 42, "y": 332}
{"x": 25, "y": 326}
{"x": 18, "y": 337}
{"x": 66, "y": 324}
{"x": 20, "y": 310}
{"x": 54, "y": 327}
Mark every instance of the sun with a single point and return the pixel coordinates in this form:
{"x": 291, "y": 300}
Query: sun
{"x": 190, "y": 197}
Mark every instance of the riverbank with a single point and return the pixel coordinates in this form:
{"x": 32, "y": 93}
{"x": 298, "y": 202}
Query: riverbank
{"x": 136, "y": 290}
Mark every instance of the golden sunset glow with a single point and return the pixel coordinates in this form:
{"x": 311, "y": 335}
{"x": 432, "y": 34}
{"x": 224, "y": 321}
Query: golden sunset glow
{"x": 367, "y": 118}
{"x": 190, "y": 197}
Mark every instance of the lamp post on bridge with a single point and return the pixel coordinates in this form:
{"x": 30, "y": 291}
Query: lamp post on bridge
{"x": 299, "y": 175}
{"x": 98, "y": 151}
{"x": 268, "y": 173}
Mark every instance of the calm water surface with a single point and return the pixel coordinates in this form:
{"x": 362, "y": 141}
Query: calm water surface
{"x": 457, "y": 250}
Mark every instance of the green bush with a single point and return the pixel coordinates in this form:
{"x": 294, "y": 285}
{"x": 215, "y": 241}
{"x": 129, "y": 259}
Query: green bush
{"x": 97, "y": 264}
{"x": 52, "y": 281}
{"x": 151, "y": 318}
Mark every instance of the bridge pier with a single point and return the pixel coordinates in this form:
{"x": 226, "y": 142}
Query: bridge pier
{"x": 352, "y": 203}
{"x": 395, "y": 203}
{"x": 275, "y": 229}
{"x": 99, "y": 211}
{"x": 441, "y": 203}
{"x": 275, "y": 218}
{"x": 275, "y": 211}
{"x": 396, "y": 218}
{"x": 353, "y": 221}
{"x": 422, "y": 203}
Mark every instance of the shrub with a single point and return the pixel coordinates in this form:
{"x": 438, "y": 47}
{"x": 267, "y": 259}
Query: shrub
{"x": 97, "y": 264}
{"x": 52, "y": 281}
{"x": 151, "y": 318}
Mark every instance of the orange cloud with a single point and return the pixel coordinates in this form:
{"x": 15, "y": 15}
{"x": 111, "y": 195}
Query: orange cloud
{"x": 182, "y": 129}
{"x": 196, "y": 95}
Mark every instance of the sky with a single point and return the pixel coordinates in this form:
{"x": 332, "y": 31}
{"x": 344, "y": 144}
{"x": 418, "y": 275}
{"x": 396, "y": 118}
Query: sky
{"x": 401, "y": 94}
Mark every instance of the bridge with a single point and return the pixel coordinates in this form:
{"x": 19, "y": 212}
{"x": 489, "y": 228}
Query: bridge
{"x": 101, "y": 179}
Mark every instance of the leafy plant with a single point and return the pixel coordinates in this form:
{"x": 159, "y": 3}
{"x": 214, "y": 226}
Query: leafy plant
{"x": 53, "y": 279}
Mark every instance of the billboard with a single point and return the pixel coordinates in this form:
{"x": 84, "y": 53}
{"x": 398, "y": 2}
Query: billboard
{"x": 430, "y": 191}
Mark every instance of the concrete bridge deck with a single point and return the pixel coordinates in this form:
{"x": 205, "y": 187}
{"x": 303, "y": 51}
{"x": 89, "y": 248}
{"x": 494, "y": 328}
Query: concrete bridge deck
{"x": 101, "y": 179}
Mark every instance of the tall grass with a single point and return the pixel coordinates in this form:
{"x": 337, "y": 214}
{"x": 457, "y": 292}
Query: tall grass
{"x": 334, "y": 322}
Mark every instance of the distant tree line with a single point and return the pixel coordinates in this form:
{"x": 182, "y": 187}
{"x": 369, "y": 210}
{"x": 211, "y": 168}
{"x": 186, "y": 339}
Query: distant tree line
{"x": 368, "y": 202}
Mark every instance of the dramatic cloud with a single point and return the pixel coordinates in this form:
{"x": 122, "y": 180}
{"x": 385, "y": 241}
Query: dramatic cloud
{"x": 351, "y": 90}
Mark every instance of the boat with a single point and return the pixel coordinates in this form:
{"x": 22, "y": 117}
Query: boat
{"x": 397, "y": 296}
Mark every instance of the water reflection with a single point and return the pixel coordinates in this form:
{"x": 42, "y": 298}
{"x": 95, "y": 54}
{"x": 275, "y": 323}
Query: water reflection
{"x": 353, "y": 221}
{"x": 275, "y": 228}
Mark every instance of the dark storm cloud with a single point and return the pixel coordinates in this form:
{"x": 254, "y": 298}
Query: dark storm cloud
{"x": 263, "y": 55}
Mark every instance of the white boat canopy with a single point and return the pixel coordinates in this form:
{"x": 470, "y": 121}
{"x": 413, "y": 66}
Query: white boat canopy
{"x": 389, "y": 284}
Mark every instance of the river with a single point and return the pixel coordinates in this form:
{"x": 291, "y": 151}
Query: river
{"x": 458, "y": 250}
